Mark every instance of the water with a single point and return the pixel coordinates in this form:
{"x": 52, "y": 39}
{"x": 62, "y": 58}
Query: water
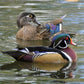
{"x": 12, "y": 72}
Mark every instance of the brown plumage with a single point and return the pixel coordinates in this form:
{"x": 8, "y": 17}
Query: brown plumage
{"x": 57, "y": 21}
{"x": 27, "y": 31}
{"x": 44, "y": 32}
{"x": 30, "y": 29}
{"x": 41, "y": 27}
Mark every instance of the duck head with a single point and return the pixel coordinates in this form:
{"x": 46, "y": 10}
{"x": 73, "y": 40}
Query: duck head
{"x": 61, "y": 41}
{"x": 25, "y": 18}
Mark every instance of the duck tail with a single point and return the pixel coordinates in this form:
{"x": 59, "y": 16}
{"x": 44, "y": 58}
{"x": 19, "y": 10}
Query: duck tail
{"x": 15, "y": 54}
{"x": 63, "y": 16}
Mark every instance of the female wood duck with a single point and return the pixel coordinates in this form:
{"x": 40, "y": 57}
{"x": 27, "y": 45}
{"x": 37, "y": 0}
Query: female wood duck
{"x": 53, "y": 26}
{"x": 57, "y": 52}
{"x": 28, "y": 30}
{"x": 26, "y": 23}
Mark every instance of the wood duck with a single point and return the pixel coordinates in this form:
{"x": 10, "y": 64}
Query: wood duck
{"x": 57, "y": 52}
{"x": 28, "y": 30}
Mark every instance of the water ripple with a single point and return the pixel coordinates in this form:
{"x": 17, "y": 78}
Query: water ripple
{"x": 31, "y": 4}
{"x": 81, "y": 32}
{"x": 10, "y": 6}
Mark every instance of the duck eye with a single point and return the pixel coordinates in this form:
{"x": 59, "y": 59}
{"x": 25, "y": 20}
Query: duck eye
{"x": 30, "y": 16}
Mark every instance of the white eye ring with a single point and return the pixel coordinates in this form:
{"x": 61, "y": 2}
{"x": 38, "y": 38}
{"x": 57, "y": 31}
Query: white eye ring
{"x": 27, "y": 16}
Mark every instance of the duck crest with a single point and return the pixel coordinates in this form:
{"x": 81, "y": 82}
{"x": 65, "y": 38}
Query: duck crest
{"x": 59, "y": 40}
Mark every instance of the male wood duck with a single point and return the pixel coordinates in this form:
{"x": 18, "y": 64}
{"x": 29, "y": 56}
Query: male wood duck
{"x": 28, "y": 30}
{"x": 57, "y": 52}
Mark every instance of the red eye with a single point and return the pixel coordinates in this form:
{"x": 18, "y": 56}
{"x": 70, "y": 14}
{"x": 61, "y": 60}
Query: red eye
{"x": 66, "y": 38}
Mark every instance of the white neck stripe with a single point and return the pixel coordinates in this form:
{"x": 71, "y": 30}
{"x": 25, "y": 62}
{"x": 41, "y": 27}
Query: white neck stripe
{"x": 69, "y": 58}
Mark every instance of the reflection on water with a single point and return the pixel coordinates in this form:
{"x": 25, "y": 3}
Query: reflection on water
{"x": 22, "y": 43}
{"x": 45, "y": 10}
{"x": 58, "y": 71}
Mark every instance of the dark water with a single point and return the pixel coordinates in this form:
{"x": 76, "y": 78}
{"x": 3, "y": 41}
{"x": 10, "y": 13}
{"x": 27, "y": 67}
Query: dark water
{"x": 12, "y": 72}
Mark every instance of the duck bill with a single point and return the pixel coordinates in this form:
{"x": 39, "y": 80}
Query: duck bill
{"x": 36, "y": 22}
{"x": 72, "y": 43}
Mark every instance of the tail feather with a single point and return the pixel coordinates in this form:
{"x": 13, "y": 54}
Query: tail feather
{"x": 14, "y": 54}
{"x": 63, "y": 16}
